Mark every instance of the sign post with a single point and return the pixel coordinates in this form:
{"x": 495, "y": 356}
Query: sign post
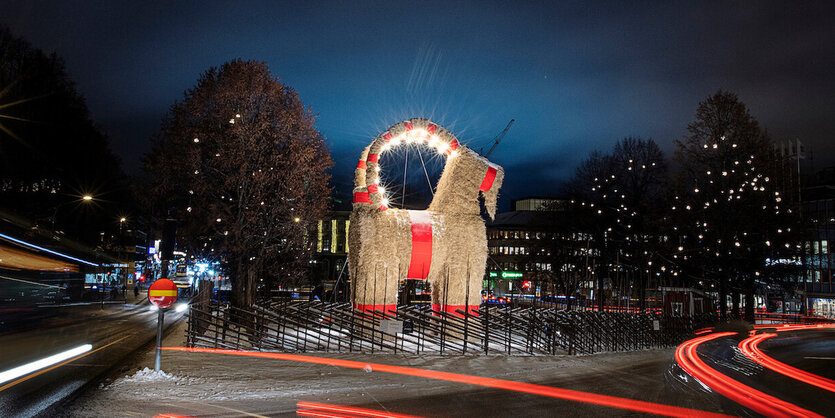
{"x": 162, "y": 293}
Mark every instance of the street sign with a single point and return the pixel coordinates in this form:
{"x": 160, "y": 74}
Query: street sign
{"x": 391, "y": 326}
{"x": 162, "y": 293}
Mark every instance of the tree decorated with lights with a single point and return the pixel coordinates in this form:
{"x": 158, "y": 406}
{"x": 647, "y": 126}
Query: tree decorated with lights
{"x": 730, "y": 209}
{"x": 239, "y": 162}
{"x": 621, "y": 196}
{"x": 594, "y": 219}
{"x": 641, "y": 183}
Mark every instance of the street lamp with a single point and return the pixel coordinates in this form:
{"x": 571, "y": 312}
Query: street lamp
{"x": 84, "y": 198}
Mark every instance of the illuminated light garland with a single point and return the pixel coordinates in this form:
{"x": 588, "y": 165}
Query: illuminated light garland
{"x": 409, "y": 132}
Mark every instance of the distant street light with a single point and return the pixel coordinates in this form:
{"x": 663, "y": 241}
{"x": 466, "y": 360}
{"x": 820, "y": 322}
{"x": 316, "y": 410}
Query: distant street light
{"x": 296, "y": 220}
{"x": 87, "y": 197}
{"x": 123, "y": 219}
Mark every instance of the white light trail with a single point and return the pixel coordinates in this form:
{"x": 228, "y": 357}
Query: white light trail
{"x": 45, "y": 249}
{"x": 42, "y": 363}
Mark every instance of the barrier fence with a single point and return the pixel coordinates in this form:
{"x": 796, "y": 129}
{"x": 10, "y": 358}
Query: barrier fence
{"x": 301, "y": 326}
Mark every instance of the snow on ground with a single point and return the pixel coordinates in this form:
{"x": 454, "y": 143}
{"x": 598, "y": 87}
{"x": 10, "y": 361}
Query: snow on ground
{"x": 223, "y": 385}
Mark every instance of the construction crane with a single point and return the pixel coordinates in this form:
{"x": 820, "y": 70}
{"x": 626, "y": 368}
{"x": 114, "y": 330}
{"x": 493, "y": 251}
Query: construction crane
{"x": 499, "y": 137}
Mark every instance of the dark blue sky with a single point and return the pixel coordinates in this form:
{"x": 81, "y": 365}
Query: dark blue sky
{"x": 576, "y": 76}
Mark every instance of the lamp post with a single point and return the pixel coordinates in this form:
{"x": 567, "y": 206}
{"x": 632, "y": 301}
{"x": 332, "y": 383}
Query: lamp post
{"x": 122, "y": 221}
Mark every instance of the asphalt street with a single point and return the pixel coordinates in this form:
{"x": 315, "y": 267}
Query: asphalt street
{"x": 115, "y": 331}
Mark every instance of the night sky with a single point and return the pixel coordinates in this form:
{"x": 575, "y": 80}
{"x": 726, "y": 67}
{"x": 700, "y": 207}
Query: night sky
{"x": 576, "y": 77}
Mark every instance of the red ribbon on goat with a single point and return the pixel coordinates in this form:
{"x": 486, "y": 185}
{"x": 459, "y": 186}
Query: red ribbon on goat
{"x": 421, "y": 245}
{"x": 489, "y": 178}
{"x": 361, "y": 197}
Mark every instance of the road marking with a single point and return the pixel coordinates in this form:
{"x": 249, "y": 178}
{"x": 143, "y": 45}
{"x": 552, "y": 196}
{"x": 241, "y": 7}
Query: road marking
{"x": 25, "y": 378}
{"x": 820, "y": 358}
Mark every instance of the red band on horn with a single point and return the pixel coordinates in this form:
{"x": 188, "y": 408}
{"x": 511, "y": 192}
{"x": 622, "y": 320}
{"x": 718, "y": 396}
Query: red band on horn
{"x": 372, "y": 158}
{"x": 361, "y": 164}
{"x": 421, "y": 245}
{"x": 453, "y": 145}
{"x": 431, "y": 128}
{"x": 408, "y": 126}
{"x": 489, "y": 178}
{"x": 372, "y": 188}
{"x": 361, "y": 197}
{"x": 387, "y": 136}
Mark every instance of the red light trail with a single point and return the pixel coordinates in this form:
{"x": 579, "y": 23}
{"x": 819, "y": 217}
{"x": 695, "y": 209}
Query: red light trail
{"x": 530, "y": 388}
{"x": 315, "y": 409}
{"x": 765, "y": 404}
{"x": 749, "y": 347}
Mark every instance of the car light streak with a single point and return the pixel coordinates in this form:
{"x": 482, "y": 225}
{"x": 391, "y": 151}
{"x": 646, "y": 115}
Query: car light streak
{"x": 749, "y": 347}
{"x": 347, "y": 411}
{"x": 34, "y": 366}
{"x": 787, "y": 327}
{"x": 534, "y": 389}
{"x": 765, "y": 404}
{"x": 46, "y": 250}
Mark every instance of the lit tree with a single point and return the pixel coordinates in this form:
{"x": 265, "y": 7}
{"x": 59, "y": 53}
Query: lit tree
{"x": 241, "y": 164}
{"x": 618, "y": 201}
{"x": 641, "y": 180}
{"x": 729, "y": 207}
{"x": 594, "y": 218}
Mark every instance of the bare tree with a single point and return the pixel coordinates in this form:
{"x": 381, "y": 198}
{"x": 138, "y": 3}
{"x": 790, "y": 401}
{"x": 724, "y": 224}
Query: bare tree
{"x": 240, "y": 163}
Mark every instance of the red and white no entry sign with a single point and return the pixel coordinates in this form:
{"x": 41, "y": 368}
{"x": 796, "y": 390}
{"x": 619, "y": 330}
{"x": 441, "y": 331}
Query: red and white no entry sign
{"x": 162, "y": 293}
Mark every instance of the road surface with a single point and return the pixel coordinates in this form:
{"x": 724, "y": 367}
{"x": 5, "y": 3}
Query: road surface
{"x": 115, "y": 331}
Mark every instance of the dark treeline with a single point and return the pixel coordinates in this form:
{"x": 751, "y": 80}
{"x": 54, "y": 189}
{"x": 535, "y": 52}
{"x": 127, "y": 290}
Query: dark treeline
{"x": 51, "y": 152}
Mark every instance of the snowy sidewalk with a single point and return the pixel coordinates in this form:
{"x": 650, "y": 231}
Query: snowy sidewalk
{"x": 224, "y": 385}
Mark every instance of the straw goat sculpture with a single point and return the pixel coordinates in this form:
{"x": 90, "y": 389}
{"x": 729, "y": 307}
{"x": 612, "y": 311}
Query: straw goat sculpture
{"x": 445, "y": 244}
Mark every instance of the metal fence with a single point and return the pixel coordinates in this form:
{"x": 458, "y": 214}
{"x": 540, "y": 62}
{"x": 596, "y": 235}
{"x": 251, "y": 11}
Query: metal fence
{"x": 297, "y": 326}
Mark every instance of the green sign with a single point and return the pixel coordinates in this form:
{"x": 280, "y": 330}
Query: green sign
{"x": 507, "y": 274}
